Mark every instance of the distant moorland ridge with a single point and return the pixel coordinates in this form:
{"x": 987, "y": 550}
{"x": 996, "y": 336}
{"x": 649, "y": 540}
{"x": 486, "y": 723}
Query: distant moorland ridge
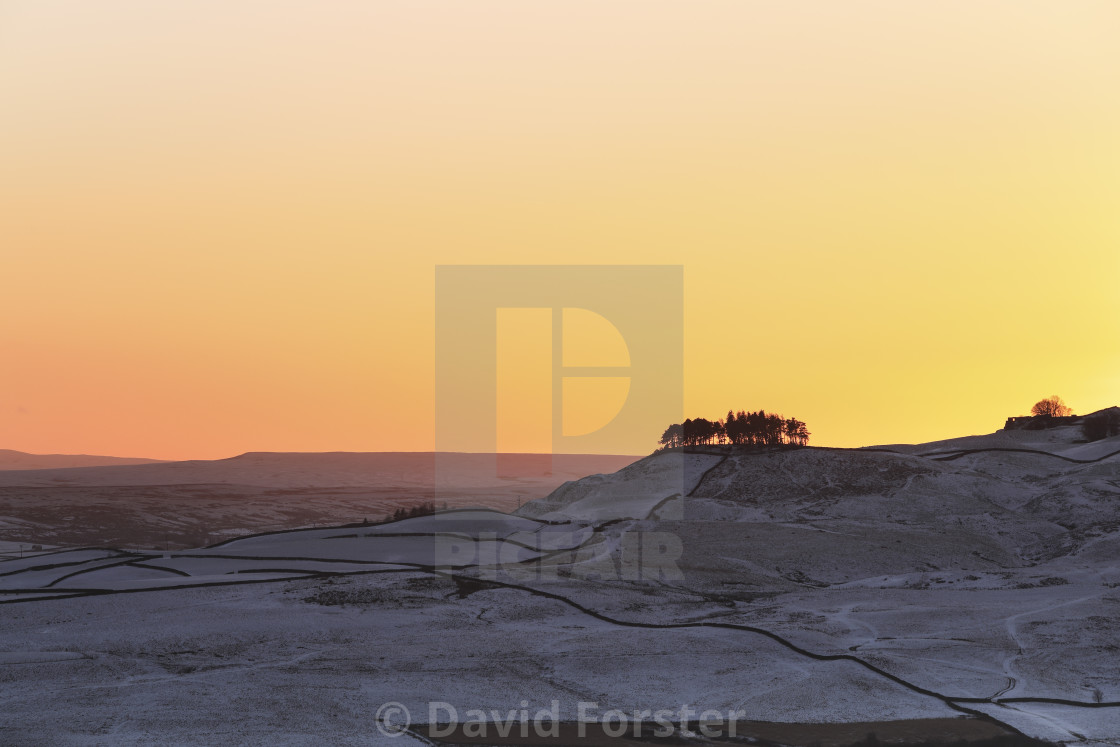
{"x": 10, "y": 460}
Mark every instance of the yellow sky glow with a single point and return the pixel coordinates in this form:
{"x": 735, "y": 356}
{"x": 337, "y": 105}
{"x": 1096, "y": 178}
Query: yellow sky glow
{"x": 219, "y": 221}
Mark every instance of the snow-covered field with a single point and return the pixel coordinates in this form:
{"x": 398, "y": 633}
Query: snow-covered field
{"x": 974, "y": 577}
{"x": 180, "y": 505}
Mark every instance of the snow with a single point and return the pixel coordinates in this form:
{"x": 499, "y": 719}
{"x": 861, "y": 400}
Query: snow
{"x": 632, "y": 493}
{"x": 807, "y": 576}
{"x": 460, "y": 522}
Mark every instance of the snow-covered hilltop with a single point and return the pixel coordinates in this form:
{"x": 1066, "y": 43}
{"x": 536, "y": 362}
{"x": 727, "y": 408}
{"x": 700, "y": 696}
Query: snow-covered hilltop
{"x": 973, "y": 577}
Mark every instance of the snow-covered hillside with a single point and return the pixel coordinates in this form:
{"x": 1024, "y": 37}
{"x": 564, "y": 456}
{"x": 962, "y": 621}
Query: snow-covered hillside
{"x": 977, "y": 577}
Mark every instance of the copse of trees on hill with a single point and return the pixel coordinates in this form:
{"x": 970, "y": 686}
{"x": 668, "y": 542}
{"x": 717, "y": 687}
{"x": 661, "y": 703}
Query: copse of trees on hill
{"x": 739, "y": 428}
{"x": 428, "y": 508}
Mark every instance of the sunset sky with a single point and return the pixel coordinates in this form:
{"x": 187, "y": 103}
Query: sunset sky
{"x": 220, "y": 221}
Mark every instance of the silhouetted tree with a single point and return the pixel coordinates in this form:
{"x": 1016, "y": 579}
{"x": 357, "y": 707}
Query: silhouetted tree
{"x": 796, "y": 432}
{"x": 721, "y": 431}
{"x": 736, "y": 426}
{"x": 1051, "y": 407}
{"x": 742, "y": 429}
{"x": 699, "y": 431}
{"x": 756, "y": 428}
{"x": 673, "y": 436}
{"x": 775, "y": 427}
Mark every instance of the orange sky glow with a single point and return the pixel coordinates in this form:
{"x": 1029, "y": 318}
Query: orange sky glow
{"x": 220, "y": 222}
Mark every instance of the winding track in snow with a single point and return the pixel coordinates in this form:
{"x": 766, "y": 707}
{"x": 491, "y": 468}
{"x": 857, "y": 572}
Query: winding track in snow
{"x": 407, "y": 567}
{"x": 954, "y": 702}
{"x": 957, "y": 703}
